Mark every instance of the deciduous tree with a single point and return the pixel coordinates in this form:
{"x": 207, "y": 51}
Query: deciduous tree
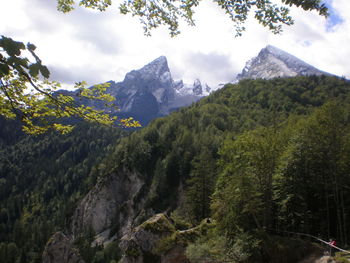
{"x": 168, "y": 12}
{"x": 27, "y": 93}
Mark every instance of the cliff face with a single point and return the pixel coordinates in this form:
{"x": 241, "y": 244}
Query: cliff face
{"x": 111, "y": 201}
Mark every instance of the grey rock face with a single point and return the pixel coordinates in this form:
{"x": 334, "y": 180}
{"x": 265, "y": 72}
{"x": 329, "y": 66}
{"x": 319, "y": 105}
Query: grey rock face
{"x": 59, "y": 249}
{"x": 151, "y": 90}
{"x": 273, "y": 62}
{"x": 197, "y": 87}
{"x": 110, "y": 201}
{"x": 186, "y": 94}
{"x": 154, "y": 79}
{"x": 148, "y": 93}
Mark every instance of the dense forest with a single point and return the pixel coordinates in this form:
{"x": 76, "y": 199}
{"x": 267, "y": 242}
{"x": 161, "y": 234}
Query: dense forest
{"x": 259, "y": 157}
{"x": 41, "y": 179}
{"x": 262, "y": 156}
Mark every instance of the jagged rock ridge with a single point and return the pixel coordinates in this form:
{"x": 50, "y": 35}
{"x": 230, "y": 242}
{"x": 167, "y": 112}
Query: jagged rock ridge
{"x": 273, "y": 62}
{"x": 151, "y": 92}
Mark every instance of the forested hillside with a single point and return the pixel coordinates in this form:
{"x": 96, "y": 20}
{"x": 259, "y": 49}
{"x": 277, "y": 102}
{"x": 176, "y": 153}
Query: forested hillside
{"x": 258, "y": 157}
{"x": 41, "y": 179}
{"x": 176, "y": 148}
{"x": 261, "y": 156}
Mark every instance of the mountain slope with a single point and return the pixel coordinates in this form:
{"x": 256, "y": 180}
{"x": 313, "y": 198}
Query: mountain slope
{"x": 273, "y": 62}
{"x": 41, "y": 180}
{"x": 164, "y": 160}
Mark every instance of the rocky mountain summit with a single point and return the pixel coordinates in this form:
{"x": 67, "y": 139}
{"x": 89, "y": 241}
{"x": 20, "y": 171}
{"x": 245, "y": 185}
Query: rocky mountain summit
{"x": 273, "y": 62}
{"x": 151, "y": 92}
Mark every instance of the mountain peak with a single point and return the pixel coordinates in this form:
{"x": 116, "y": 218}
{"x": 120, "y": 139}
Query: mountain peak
{"x": 161, "y": 59}
{"x": 156, "y": 70}
{"x": 273, "y": 49}
{"x": 157, "y": 67}
{"x": 273, "y": 62}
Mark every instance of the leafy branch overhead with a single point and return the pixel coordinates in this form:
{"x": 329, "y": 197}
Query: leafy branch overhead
{"x": 169, "y": 13}
{"x": 26, "y": 93}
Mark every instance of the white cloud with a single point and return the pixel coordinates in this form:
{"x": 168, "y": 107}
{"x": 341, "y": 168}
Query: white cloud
{"x": 104, "y": 46}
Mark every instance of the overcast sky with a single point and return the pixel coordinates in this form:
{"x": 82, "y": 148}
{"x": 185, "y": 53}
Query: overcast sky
{"x": 97, "y": 47}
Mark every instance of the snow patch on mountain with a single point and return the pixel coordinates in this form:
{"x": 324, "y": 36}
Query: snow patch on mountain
{"x": 273, "y": 62}
{"x": 196, "y": 89}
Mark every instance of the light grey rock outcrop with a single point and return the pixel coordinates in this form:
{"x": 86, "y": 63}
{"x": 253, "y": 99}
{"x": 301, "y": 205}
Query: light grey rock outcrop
{"x": 273, "y": 62}
{"x": 60, "y": 249}
{"x": 111, "y": 201}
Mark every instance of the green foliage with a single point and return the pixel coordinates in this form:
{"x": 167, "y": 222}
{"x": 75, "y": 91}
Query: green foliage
{"x": 243, "y": 195}
{"x": 341, "y": 257}
{"x": 174, "y": 238}
{"x": 200, "y": 186}
{"x": 132, "y": 252}
{"x": 216, "y": 248}
{"x": 293, "y": 177}
{"x": 181, "y": 238}
{"x": 153, "y": 14}
{"x": 83, "y": 243}
{"x": 97, "y": 253}
{"x": 317, "y": 162}
{"x": 172, "y": 151}
{"x": 177, "y": 238}
{"x": 27, "y": 94}
{"x": 278, "y": 249}
{"x": 180, "y": 223}
{"x": 259, "y": 144}
{"x": 42, "y": 178}
{"x": 161, "y": 224}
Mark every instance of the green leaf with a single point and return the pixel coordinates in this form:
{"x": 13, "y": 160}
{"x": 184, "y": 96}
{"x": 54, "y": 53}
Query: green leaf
{"x": 34, "y": 69}
{"x": 44, "y": 71}
{"x": 11, "y": 47}
{"x": 31, "y": 47}
{"x": 4, "y": 70}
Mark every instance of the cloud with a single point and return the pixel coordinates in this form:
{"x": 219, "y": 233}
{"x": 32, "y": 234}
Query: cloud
{"x": 210, "y": 67}
{"x": 82, "y": 25}
{"x": 334, "y": 16}
{"x": 71, "y": 75}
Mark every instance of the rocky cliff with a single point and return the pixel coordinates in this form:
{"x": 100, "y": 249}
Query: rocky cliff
{"x": 110, "y": 202}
